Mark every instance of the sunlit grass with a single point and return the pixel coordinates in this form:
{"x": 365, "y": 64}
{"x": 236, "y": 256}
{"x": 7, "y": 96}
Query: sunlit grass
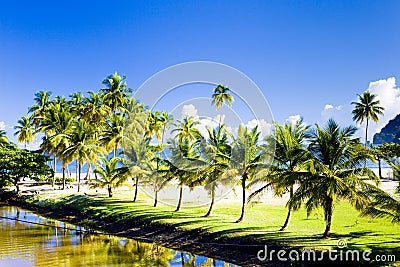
{"x": 262, "y": 221}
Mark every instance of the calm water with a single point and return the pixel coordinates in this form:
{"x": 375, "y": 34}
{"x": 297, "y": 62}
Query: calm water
{"x": 32, "y": 240}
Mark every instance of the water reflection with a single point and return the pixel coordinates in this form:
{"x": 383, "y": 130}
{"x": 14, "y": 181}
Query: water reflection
{"x": 30, "y": 240}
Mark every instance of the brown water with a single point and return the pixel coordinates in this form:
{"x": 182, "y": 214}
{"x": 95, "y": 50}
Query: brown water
{"x": 27, "y": 239}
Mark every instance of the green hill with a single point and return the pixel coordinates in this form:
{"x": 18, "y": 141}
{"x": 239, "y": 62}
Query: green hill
{"x": 389, "y": 133}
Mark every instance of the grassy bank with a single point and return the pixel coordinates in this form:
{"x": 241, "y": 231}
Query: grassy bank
{"x": 188, "y": 230}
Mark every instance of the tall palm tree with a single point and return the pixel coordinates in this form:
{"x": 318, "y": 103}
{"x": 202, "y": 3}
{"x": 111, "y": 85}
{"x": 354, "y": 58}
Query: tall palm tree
{"x": 335, "y": 172}
{"x": 113, "y": 133}
{"x": 217, "y": 152}
{"x": 186, "y": 130}
{"x": 83, "y": 146}
{"x": 290, "y": 154}
{"x": 365, "y": 109}
{"x": 116, "y": 94}
{"x": 154, "y": 125}
{"x": 247, "y": 159}
{"x": 165, "y": 119}
{"x": 111, "y": 175}
{"x": 25, "y": 131}
{"x": 38, "y": 110}
{"x": 93, "y": 109}
{"x": 221, "y": 95}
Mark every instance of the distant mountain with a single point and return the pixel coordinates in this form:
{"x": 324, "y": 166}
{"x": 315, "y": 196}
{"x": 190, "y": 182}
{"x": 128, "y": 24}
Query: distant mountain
{"x": 389, "y": 133}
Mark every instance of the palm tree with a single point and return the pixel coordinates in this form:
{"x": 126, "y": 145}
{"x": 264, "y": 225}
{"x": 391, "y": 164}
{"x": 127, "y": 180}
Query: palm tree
{"x": 3, "y": 138}
{"x": 38, "y": 110}
{"x": 116, "y": 94}
{"x": 83, "y": 146}
{"x": 154, "y": 125}
{"x": 137, "y": 154}
{"x": 365, "y": 109}
{"x": 247, "y": 159}
{"x": 221, "y": 95}
{"x": 111, "y": 175}
{"x": 185, "y": 164}
{"x": 25, "y": 131}
{"x": 335, "y": 172}
{"x": 93, "y": 109}
{"x": 217, "y": 152}
{"x": 290, "y": 153}
{"x": 112, "y": 134}
{"x": 165, "y": 119}
{"x": 186, "y": 130}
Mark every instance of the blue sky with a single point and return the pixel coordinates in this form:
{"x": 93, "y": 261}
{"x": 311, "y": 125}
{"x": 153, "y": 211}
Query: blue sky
{"x": 304, "y": 55}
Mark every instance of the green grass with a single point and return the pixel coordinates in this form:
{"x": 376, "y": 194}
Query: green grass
{"x": 262, "y": 221}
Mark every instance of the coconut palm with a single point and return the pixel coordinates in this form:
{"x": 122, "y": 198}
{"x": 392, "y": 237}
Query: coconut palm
{"x": 365, "y": 109}
{"x": 83, "y": 146}
{"x": 3, "y": 138}
{"x": 185, "y": 164}
{"x": 154, "y": 125}
{"x": 217, "y": 152}
{"x": 247, "y": 159}
{"x": 116, "y": 94}
{"x": 221, "y": 95}
{"x": 290, "y": 153}
{"x": 138, "y": 154}
{"x": 186, "y": 130}
{"x": 38, "y": 110}
{"x": 112, "y": 134}
{"x": 165, "y": 119}
{"x": 93, "y": 109}
{"x": 335, "y": 172}
{"x": 111, "y": 176}
{"x": 25, "y": 131}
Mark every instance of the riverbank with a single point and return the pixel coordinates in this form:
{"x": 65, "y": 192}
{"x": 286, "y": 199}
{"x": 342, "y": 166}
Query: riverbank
{"x": 216, "y": 236}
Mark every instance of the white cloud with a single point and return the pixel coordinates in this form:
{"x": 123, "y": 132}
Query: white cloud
{"x": 263, "y": 126}
{"x": 386, "y": 91}
{"x": 2, "y": 125}
{"x": 189, "y": 110}
{"x": 293, "y": 119}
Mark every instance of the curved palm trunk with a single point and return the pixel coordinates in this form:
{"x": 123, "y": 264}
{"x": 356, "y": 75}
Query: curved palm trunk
{"x": 212, "y": 201}
{"x": 155, "y": 198}
{"x": 328, "y": 217}
{"x": 63, "y": 179}
{"x": 366, "y": 142}
{"x": 289, "y": 214}
{"x": 136, "y": 188}
{"x": 55, "y": 170}
{"x": 180, "y": 199}
{"x": 243, "y": 198}
{"x": 79, "y": 176}
{"x": 109, "y": 191}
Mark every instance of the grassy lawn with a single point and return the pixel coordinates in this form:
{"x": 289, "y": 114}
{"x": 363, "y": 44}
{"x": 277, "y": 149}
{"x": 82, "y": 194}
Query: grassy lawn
{"x": 262, "y": 221}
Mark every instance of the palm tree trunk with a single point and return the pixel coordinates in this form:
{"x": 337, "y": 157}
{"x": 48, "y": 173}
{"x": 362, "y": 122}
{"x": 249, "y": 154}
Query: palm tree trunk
{"x": 212, "y": 201}
{"x": 289, "y": 214}
{"x": 69, "y": 176}
{"x": 243, "y": 198}
{"x": 79, "y": 176}
{"x": 380, "y": 168}
{"x": 136, "y": 188}
{"x": 366, "y": 141}
{"x": 109, "y": 191}
{"x": 328, "y": 217}
{"x": 63, "y": 179}
{"x": 182, "y": 259}
{"x": 55, "y": 170}
{"x": 155, "y": 199}
{"x": 180, "y": 199}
